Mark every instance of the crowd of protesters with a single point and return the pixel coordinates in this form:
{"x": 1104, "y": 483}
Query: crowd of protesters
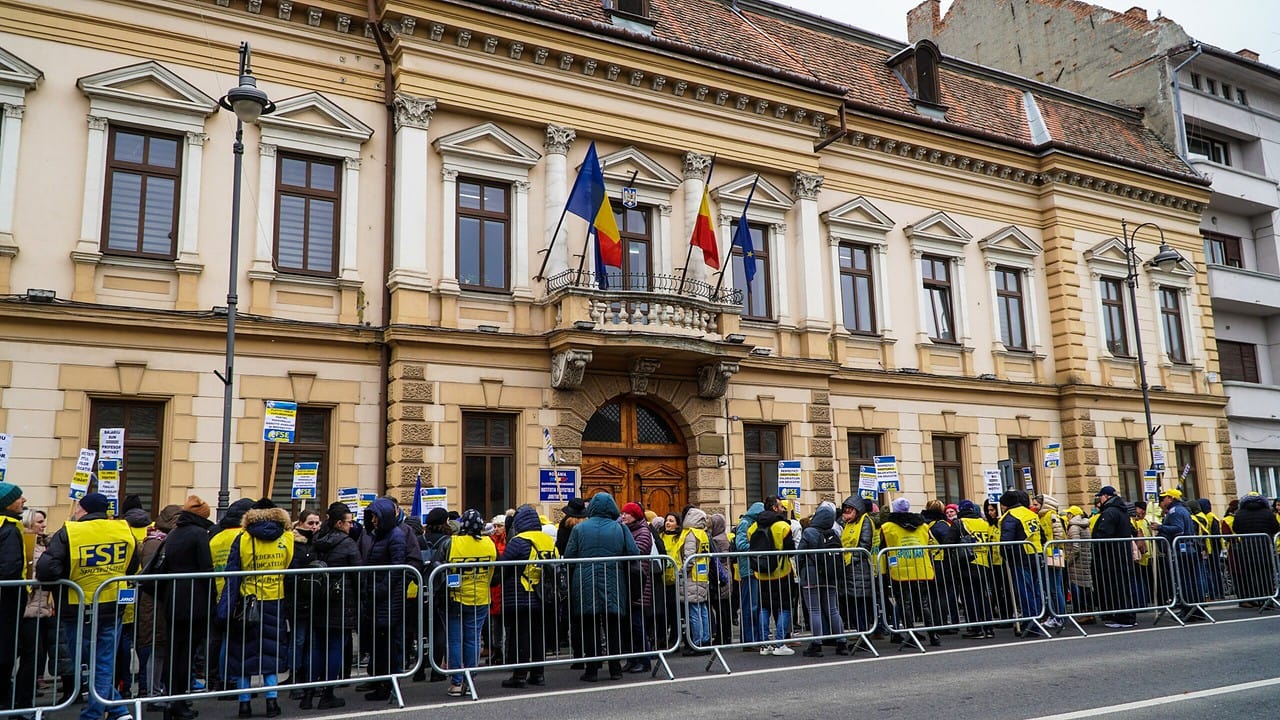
{"x": 515, "y": 589}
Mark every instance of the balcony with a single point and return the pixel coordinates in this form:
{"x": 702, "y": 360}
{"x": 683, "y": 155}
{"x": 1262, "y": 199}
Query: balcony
{"x": 662, "y": 304}
{"x": 1238, "y": 191}
{"x": 1244, "y": 291}
{"x": 1249, "y": 400}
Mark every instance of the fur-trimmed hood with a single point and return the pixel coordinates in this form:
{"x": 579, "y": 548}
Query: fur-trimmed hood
{"x": 265, "y": 523}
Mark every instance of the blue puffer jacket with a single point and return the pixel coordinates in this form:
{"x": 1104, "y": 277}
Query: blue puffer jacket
{"x": 599, "y": 588}
{"x": 741, "y": 543}
{"x": 1176, "y": 523}
{"x": 513, "y": 593}
{"x": 388, "y": 548}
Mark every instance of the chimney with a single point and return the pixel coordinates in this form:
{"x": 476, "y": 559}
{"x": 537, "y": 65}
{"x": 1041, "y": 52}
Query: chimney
{"x": 1137, "y": 13}
{"x": 924, "y": 21}
{"x": 1248, "y": 54}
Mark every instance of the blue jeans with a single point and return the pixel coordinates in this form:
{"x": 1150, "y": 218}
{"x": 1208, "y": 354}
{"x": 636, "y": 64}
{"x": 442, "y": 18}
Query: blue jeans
{"x": 104, "y": 664}
{"x": 783, "y": 628}
{"x": 463, "y": 623}
{"x": 749, "y": 602}
{"x": 271, "y": 680}
{"x": 1057, "y": 597}
{"x": 1026, "y": 588}
{"x": 327, "y": 644}
{"x": 699, "y": 624}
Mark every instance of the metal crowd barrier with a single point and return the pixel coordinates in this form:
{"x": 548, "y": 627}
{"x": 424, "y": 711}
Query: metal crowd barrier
{"x": 1224, "y": 569}
{"x": 817, "y": 582}
{"x": 200, "y": 644}
{"x": 34, "y": 647}
{"x": 934, "y": 588}
{"x": 571, "y": 621}
{"x": 1110, "y": 580}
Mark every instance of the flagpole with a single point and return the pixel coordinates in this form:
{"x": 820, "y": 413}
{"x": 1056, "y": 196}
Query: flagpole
{"x": 582, "y": 262}
{"x": 546, "y": 252}
{"x": 689, "y": 255}
{"x": 725, "y": 265}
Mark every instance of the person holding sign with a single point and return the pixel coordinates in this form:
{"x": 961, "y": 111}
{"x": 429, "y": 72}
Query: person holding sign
{"x": 910, "y": 568}
{"x": 857, "y": 530}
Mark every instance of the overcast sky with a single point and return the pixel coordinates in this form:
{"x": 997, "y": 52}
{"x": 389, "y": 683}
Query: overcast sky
{"x": 1229, "y": 24}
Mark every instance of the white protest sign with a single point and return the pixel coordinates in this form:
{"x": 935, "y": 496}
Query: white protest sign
{"x": 867, "y": 482}
{"x": 111, "y": 444}
{"x": 84, "y": 467}
{"x": 304, "y": 480}
{"x": 789, "y": 474}
{"x": 887, "y": 473}
{"x": 6, "y": 443}
{"x": 995, "y": 486}
{"x": 1053, "y": 455}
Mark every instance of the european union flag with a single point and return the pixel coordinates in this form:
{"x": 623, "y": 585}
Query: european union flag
{"x": 742, "y": 238}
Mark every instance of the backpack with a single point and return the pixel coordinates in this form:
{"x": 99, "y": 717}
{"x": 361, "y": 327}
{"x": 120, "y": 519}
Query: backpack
{"x": 762, "y": 542}
{"x": 829, "y": 564}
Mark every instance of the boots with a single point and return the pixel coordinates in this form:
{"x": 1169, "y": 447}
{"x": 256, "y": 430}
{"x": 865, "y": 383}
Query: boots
{"x": 246, "y": 710}
{"x": 308, "y": 696}
{"x": 517, "y": 680}
{"x": 273, "y": 707}
{"x": 328, "y": 700}
{"x": 934, "y": 640}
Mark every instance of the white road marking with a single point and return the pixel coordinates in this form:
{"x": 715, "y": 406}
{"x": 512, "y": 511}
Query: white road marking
{"x": 1139, "y": 704}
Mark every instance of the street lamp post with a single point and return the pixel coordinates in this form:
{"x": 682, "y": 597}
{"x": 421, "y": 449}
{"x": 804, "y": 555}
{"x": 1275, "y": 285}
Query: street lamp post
{"x": 1166, "y": 258}
{"x": 248, "y": 103}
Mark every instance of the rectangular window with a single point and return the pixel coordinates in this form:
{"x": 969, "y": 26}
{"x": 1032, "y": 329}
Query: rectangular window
{"x": 1171, "y": 320}
{"x": 308, "y": 196}
{"x": 756, "y": 304}
{"x": 857, "y": 288}
{"x": 141, "y": 473}
{"x": 488, "y": 462}
{"x": 1238, "y": 361}
{"x": 763, "y": 450}
{"x": 863, "y": 449}
{"x": 1264, "y": 471}
{"x": 1211, "y": 85}
{"x": 1022, "y": 452}
{"x": 1211, "y": 149}
{"x": 937, "y": 291}
{"x": 310, "y": 445}
{"x": 636, "y": 234}
{"x": 484, "y": 235}
{"x": 948, "y": 469}
{"x": 1226, "y": 91}
{"x": 1241, "y": 96}
{"x": 1187, "y": 470}
{"x": 140, "y": 212}
{"x": 1195, "y": 80}
{"x": 1128, "y": 473}
{"x": 1223, "y": 249}
{"x": 1011, "y": 308}
{"x": 1113, "y": 317}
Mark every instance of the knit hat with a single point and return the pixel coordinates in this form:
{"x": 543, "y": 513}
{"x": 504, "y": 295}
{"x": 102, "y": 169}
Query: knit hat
{"x": 1011, "y": 498}
{"x": 167, "y": 520}
{"x": 471, "y": 523}
{"x": 900, "y": 505}
{"x": 8, "y": 494}
{"x": 575, "y": 508}
{"x": 633, "y": 509}
{"x": 966, "y": 506}
{"x": 1107, "y": 490}
{"x": 94, "y": 503}
{"x": 1205, "y": 505}
{"x": 196, "y": 506}
{"x": 1048, "y": 501}
{"x": 131, "y": 502}
{"x": 953, "y": 506}
{"x": 235, "y": 513}
{"x": 437, "y": 516}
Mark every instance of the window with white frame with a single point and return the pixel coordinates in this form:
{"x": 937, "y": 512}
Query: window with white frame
{"x": 1170, "y": 293}
{"x": 765, "y": 299}
{"x": 1011, "y": 257}
{"x": 488, "y": 160}
{"x": 938, "y": 246}
{"x": 857, "y": 233}
{"x": 142, "y": 169}
{"x": 1115, "y": 312}
{"x": 309, "y": 189}
{"x": 16, "y": 78}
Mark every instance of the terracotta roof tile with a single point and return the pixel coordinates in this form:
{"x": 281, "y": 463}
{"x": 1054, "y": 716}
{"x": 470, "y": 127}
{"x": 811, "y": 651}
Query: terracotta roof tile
{"x": 1102, "y": 133}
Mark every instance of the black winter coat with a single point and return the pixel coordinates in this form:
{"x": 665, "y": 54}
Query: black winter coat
{"x": 1255, "y": 517}
{"x": 387, "y": 586}
{"x": 336, "y": 549}
{"x": 186, "y": 550}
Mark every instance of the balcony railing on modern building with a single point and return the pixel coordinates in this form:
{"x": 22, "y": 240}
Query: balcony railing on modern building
{"x": 639, "y": 302}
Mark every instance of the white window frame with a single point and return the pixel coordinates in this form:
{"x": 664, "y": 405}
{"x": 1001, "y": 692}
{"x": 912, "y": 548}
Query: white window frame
{"x": 16, "y": 78}
{"x": 512, "y": 166}
{"x": 862, "y": 223}
{"x": 950, "y": 244}
{"x": 769, "y": 207}
{"x": 185, "y": 115}
{"x": 654, "y": 186}
{"x": 1107, "y": 260}
{"x": 1182, "y": 279}
{"x": 1010, "y": 247}
{"x": 341, "y": 140}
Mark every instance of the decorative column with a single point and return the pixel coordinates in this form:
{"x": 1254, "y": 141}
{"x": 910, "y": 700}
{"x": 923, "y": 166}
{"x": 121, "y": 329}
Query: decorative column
{"x": 409, "y": 279}
{"x": 262, "y": 270}
{"x": 556, "y": 194}
{"x": 349, "y": 273}
{"x": 188, "y": 263}
{"x": 89, "y": 247}
{"x": 521, "y": 293}
{"x": 695, "y": 168}
{"x": 781, "y": 259}
{"x": 10, "y": 141}
{"x": 448, "y": 285}
{"x": 813, "y": 315}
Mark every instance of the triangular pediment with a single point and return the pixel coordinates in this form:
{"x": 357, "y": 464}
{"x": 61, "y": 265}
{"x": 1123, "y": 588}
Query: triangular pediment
{"x": 857, "y": 214}
{"x": 661, "y": 473}
{"x": 619, "y": 166}
{"x": 317, "y": 114}
{"x": 603, "y": 471}
{"x": 488, "y": 142}
{"x": 149, "y": 84}
{"x": 1009, "y": 241}
{"x": 939, "y": 226}
{"x": 15, "y": 71}
{"x": 766, "y": 195}
{"x": 1109, "y": 251}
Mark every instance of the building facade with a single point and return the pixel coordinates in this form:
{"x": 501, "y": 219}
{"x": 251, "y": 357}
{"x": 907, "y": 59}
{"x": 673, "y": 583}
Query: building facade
{"x": 937, "y": 267}
{"x": 1219, "y": 110}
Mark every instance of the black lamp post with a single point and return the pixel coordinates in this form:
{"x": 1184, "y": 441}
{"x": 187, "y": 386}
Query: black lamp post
{"x": 248, "y": 103}
{"x": 1166, "y": 259}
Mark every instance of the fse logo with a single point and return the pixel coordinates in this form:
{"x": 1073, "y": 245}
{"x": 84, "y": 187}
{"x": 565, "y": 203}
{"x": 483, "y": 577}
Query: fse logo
{"x": 103, "y": 554}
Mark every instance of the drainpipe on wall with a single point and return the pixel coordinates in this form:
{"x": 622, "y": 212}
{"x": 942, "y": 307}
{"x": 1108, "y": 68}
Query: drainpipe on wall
{"x": 1183, "y": 150}
{"x": 388, "y": 237}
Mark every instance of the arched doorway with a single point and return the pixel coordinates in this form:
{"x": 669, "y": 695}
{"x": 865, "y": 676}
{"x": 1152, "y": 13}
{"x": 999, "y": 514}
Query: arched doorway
{"x": 633, "y": 451}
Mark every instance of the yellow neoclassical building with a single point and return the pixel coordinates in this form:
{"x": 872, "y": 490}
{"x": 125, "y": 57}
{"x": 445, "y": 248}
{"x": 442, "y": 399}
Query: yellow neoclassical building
{"x": 939, "y": 270}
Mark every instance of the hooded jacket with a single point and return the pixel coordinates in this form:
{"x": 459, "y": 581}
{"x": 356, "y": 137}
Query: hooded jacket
{"x": 1079, "y": 555}
{"x": 1255, "y": 517}
{"x": 514, "y": 594}
{"x": 859, "y": 577}
{"x": 598, "y": 588}
{"x": 262, "y": 649}
{"x": 642, "y": 534}
{"x": 695, "y": 576}
{"x": 812, "y": 565}
{"x": 388, "y": 548}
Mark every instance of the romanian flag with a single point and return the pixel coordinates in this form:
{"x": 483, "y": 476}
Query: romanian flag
{"x": 704, "y": 234}
{"x": 608, "y": 239}
{"x": 590, "y": 201}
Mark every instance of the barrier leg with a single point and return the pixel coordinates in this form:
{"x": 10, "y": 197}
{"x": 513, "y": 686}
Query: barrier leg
{"x": 395, "y": 691}
{"x": 715, "y": 655}
{"x": 1077, "y": 626}
{"x": 470, "y": 684}
{"x": 662, "y": 660}
{"x": 864, "y": 642}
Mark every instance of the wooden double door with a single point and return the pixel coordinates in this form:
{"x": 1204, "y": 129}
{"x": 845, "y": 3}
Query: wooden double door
{"x": 634, "y": 452}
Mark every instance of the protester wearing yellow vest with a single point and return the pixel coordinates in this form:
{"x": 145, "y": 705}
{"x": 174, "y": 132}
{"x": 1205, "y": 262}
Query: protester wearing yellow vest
{"x": 694, "y": 586}
{"x": 978, "y": 577}
{"x": 1025, "y": 561}
{"x": 1208, "y": 523}
{"x": 13, "y": 600}
{"x": 773, "y": 574}
{"x": 909, "y": 564}
{"x": 260, "y": 647}
{"x": 858, "y": 530}
{"x": 468, "y": 593}
{"x": 528, "y": 594}
{"x": 89, "y": 551}
{"x": 1053, "y": 527}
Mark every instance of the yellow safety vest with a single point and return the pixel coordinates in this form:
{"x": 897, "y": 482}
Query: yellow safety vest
{"x": 698, "y": 572}
{"x": 220, "y": 549}
{"x": 1030, "y": 527}
{"x": 779, "y": 531}
{"x": 543, "y": 548}
{"x": 905, "y": 556}
{"x": 26, "y": 551}
{"x": 1142, "y": 528}
{"x": 99, "y": 550}
{"x": 853, "y": 532}
{"x": 981, "y": 529}
{"x": 671, "y": 546}
{"x": 472, "y": 586}
{"x": 258, "y": 554}
{"x": 1230, "y": 521}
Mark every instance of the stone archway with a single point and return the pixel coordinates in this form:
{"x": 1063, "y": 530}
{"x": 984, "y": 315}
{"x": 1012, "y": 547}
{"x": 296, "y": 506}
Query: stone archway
{"x": 631, "y": 450}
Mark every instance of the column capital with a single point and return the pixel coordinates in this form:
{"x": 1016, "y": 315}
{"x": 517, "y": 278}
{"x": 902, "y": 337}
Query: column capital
{"x": 414, "y": 112}
{"x": 695, "y": 166}
{"x": 559, "y": 139}
{"x": 806, "y": 186}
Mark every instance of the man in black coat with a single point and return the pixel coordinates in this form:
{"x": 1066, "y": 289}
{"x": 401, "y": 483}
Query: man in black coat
{"x": 1250, "y": 558}
{"x": 1113, "y": 559}
{"x": 186, "y": 604}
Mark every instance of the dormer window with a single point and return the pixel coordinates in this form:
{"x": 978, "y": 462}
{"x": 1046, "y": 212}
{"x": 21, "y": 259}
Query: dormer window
{"x": 917, "y": 68}
{"x": 630, "y": 15}
{"x": 639, "y": 8}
